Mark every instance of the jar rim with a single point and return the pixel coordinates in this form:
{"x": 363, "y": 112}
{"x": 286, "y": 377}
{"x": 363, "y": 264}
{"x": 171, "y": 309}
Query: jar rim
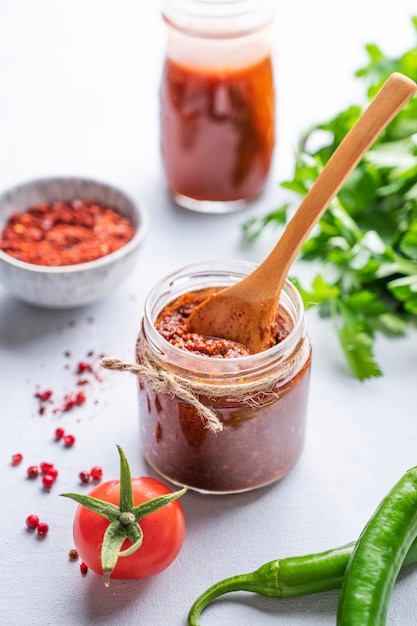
{"x": 217, "y": 19}
{"x": 220, "y": 272}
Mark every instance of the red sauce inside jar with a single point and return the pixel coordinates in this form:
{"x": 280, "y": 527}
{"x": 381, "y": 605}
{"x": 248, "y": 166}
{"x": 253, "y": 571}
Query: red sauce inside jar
{"x": 217, "y": 130}
{"x": 262, "y": 437}
{"x": 172, "y": 325}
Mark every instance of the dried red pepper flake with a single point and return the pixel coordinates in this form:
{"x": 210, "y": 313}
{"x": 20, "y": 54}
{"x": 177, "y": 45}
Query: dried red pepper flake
{"x": 80, "y": 398}
{"x": 65, "y": 233}
{"x": 69, "y": 403}
{"x": 17, "y": 459}
{"x": 44, "y": 396}
{"x": 72, "y": 400}
{"x": 84, "y": 367}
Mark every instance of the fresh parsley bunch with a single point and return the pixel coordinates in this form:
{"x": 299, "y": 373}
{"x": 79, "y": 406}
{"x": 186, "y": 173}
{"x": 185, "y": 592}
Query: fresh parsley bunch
{"x": 367, "y": 240}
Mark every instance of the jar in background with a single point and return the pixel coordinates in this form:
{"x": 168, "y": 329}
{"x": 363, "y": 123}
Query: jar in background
{"x": 217, "y": 102}
{"x": 258, "y": 403}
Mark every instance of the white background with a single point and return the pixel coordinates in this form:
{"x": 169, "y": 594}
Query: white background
{"x": 79, "y": 95}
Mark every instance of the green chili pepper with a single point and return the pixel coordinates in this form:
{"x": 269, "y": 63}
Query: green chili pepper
{"x": 378, "y": 556}
{"x": 289, "y": 577}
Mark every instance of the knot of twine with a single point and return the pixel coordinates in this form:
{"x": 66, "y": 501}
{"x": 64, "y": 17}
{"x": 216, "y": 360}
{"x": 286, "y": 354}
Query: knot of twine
{"x": 165, "y": 381}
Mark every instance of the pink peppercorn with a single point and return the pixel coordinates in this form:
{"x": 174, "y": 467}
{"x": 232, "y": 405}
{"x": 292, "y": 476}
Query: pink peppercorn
{"x": 42, "y": 529}
{"x": 69, "y": 440}
{"x": 32, "y": 521}
{"x": 80, "y": 398}
{"x": 45, "y": 467}
{"x": 84, "y": 477}
{"x": 96, "y": 473}
{"x": 83, "y": 367}
{"x": 59, "y": 433}
{"x": 17, "y": 459}
{"x": 32, "y": 471}
{"x": 48, "y": 481}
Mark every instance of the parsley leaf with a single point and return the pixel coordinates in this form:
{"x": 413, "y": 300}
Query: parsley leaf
{"x": 366, "y": 241}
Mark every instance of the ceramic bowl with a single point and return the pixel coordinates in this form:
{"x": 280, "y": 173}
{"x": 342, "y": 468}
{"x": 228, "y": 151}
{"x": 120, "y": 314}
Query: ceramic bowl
{"x": 70, "y": 285}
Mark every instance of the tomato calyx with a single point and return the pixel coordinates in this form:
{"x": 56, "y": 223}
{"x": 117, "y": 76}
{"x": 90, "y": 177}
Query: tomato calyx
{"x": 124, "y": 519}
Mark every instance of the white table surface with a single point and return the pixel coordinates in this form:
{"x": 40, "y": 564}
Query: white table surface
{"x": 79, "y": 95}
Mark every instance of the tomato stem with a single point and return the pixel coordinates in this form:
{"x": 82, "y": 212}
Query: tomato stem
{"x": 126, "y": 493}
{"x": 126, "y": 518}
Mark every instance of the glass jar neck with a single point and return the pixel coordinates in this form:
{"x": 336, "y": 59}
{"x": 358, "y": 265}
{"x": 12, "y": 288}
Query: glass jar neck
{"x": 218, "y": 18}
{"x": 228, "y": 370}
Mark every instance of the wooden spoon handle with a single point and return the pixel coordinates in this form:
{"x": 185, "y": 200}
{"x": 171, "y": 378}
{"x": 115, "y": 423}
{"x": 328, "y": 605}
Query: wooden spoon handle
{"x": 393, "y": 95}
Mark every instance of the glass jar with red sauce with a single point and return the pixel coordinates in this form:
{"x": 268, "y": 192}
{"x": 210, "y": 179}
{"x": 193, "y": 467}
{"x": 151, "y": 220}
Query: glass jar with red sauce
{"x": 217, "y": 102}
{"x": 257, "y": 402}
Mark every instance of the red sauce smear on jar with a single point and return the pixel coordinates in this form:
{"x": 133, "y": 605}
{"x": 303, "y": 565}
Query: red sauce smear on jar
{"x": 65, "y": 233}
{"x": 217, "y": 130}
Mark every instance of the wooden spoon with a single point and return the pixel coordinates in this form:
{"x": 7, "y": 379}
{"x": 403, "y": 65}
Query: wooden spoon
{"x": 246, "y": 311}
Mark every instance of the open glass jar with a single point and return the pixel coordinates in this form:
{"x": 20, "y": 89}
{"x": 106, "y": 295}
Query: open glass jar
{"x": 217, "y": 102}
{"x": 221, "y": 425}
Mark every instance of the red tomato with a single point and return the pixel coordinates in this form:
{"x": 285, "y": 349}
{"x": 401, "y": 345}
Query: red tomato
{"x": 163, "y": 531}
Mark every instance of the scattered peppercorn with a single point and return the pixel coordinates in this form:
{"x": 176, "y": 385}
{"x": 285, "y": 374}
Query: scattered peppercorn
{"x": 32, "y": 471}
{"x": 80, "y": 398}
{"x": 53, "y": 472}
{"x": 32, "y": 521}
{"x": 84, "y": 477}
{"x": 65, "y": 233}
{"x": 48, "y": 481}
{"x": 96, "y": 473}
{"x": 59, "y": 433}
{"x": 42, "y": 529}
{"x": 69, "y": 440}
{"x": 45, "y": 467}
{"x": 44, "y": 396}
{"x": 69, "y": 403}
{"x": 17, "y": 459}
{"x": 84, "y": 367}
{"x": 73, "y": 555}
{"x": 83, "y": 569}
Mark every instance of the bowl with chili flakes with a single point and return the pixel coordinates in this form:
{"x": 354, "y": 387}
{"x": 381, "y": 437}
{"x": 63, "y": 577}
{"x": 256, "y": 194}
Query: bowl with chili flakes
{"x": 65, "y": 242}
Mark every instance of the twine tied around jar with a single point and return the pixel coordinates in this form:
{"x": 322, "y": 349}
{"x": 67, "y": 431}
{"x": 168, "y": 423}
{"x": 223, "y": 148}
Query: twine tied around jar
{"x": 165, "y": 381}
